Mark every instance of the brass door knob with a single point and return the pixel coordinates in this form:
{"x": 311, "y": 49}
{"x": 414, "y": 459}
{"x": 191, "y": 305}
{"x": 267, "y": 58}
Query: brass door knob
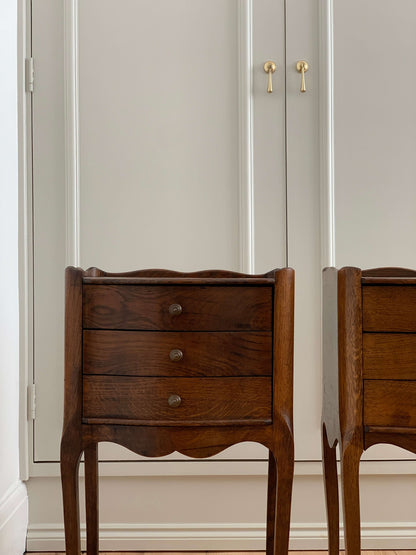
{"x": 269, "y": 67}
{"x": 302, "y": 66}
{"x": 175, "y": 309}
{"x": 175, "y": 355}
{"x": 174, "y": 401}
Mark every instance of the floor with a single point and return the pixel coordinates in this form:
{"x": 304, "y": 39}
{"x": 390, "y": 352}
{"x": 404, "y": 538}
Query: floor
{"x": 230, "y": 553}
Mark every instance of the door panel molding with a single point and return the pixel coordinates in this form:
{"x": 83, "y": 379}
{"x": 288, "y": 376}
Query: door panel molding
{"x": 72, "y": 184}
{"x": 245, "y": 87}
{"x": 326, "y": 115}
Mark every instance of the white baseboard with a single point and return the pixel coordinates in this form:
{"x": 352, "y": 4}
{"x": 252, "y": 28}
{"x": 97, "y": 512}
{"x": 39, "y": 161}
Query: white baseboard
{"x": 195, "y": 467}
{"x": 13, "y": 520}
{"x": 219, "y": 537}
{"x": 156, "y": 537}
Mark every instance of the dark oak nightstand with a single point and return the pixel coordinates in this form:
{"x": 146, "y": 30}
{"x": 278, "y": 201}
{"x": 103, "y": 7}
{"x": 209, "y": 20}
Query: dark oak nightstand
{"x": 369, "y": 379}
{"x": 159, "y": 361}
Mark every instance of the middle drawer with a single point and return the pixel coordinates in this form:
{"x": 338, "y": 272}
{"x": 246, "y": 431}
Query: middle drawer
{"x": 131, "y": 353}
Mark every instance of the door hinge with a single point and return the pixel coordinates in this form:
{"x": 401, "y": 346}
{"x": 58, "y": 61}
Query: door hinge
{"x": 31, "y": 401}
{"x": 29, "y": 74}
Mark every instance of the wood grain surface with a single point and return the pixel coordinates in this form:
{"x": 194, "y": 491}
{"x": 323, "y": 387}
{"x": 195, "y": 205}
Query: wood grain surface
{"x": 137, "y": 280}
{"x": 390, "y": 403}
{"x": 387, "y": 274}
{"x": 143, "y": 307}
{"x": 389, "y": 356}
{"x": 202, "y": 276}
{"x": 136, "y": 353}
{"x": 389, "y": 308}
{"x": 204, "y": 400}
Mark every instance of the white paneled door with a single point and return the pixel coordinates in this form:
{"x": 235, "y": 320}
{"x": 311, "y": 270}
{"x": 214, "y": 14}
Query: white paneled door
{"x": 155, "y": 144}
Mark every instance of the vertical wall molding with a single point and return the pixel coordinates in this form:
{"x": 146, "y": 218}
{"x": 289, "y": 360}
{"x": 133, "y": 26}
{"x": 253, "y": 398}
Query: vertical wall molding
{"x": 245, "y": 101}
{"x": 72, "y": 133}
{"x": 24, "y": 103}
{"x": 326, "y": 116}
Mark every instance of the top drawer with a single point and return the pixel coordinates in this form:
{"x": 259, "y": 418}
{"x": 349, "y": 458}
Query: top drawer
{"x": 389, "y": 308}
{"x": 186, "y": 307}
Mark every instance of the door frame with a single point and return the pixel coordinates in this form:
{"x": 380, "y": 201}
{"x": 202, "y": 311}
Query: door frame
{"x": 25, "y": 245}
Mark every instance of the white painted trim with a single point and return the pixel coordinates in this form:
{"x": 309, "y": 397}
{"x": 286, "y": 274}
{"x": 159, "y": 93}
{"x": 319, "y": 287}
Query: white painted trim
{"x": 219, "y": 536}
{"x": 203, "y": 468}
{"x": 13, "y": 520}
{"x": 221, "y": 468}
{"x": 326, "y": 116}
{"x": 25, "y": 255}
{"x": 72, "y": 133}
{"x": 245, "y": 100}
{"x": 154, "y": 537}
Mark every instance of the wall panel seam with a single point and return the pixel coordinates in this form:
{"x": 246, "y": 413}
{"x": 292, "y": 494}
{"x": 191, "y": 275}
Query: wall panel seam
{"x": 71, "y": 71}
{"x": 326, "y": 117}
{"x": 245, "y": 100}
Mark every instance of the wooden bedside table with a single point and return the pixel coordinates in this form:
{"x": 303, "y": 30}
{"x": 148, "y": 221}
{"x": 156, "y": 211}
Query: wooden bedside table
{"x": 369, "y": 379}
{"x": 159, "y": 361}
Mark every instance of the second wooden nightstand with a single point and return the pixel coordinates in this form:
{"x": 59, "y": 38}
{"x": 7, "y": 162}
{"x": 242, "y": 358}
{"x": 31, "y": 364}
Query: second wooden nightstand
{"x": 369, "y": 380}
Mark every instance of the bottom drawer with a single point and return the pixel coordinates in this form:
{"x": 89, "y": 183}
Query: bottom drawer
{"x": 390, "y": 403}
{"x": 177, "y": 401}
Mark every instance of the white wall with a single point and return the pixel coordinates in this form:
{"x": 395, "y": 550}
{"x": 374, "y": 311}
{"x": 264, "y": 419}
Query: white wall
{"x": 13, "y": 498}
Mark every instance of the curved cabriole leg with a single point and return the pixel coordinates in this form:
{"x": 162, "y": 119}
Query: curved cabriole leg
{"x": 350, "y": 465}
{"x": 70, "y": 457}
{"x": 91, "y": 497}
{"x": 329, "y": 461}
{"x": 284, "y": 457}
{"x": 271, "y": 505}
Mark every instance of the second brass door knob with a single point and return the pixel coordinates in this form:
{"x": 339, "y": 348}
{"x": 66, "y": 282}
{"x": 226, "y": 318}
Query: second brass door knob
{"x": 302, "y": 66}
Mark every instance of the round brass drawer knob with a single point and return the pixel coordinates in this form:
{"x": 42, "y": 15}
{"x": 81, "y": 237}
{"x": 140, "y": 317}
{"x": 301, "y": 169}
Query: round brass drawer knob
{"x": 175, "y": 309}
{"x": 175, "y": 355}
{"x": 174, "y": 401}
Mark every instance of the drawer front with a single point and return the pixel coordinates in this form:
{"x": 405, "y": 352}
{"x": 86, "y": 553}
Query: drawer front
{"x": 144, "y": 307}
{"x": 204, "y": 401}
{"x": 389, "y": 308}
{"x": 389, "y": 356}
{"x": 390, "y": 403}
{"x": 152, "y": 353}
